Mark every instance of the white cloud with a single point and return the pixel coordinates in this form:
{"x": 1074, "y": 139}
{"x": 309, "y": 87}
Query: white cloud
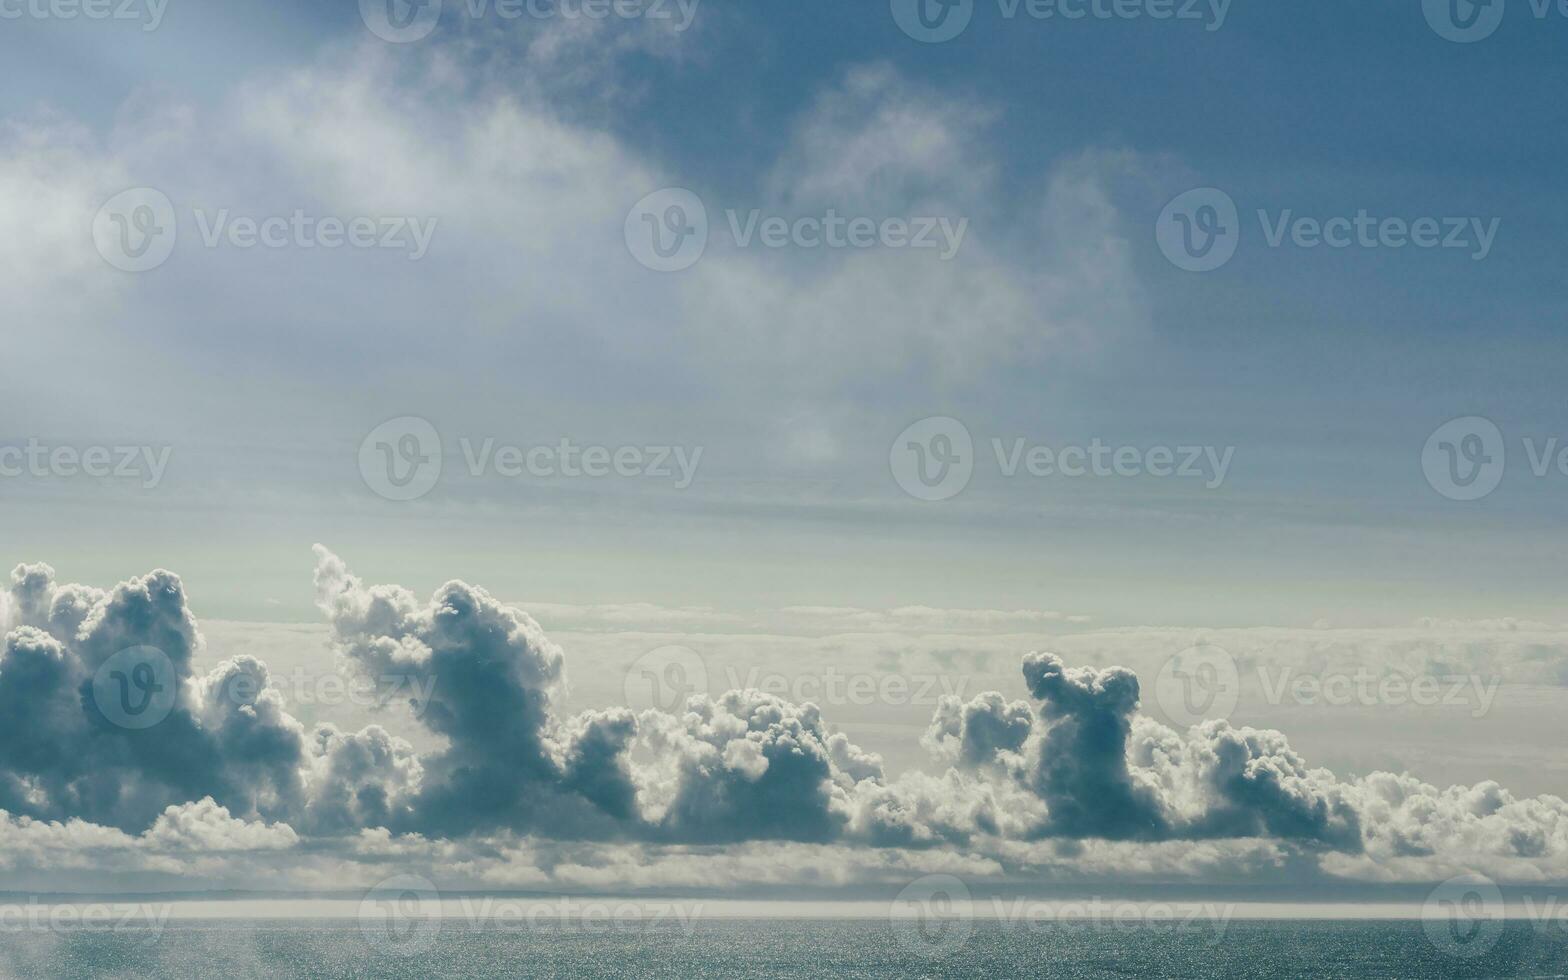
{"x": 206, "y": 826}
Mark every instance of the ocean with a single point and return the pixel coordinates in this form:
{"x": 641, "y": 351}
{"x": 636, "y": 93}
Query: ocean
{"x": 773, "y": 949}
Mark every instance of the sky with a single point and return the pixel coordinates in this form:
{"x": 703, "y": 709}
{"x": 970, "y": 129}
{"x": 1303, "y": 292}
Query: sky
{"x": 785, "y": 348}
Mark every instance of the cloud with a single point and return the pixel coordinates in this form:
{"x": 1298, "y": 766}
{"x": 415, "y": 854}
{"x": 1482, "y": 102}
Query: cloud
{"x": 363, "y": 779}
{"x": 989, "y": 730}
{"x": 925, "y": 619}
{"x": 749, "y": 765}
{"x": 742, "y": 766}
{"x": 531, "y": 184}
{"x": 53, "y": 178}
{"x": 1082, "y": 771}
{"x": 1074, "y": 781}
{"x": 206, "y": 826}
{"x": 493, "y": 678}
{"x": 631, "y": 615}
{"x": 1513, "y": 651}
{"x": 65, "y": 757}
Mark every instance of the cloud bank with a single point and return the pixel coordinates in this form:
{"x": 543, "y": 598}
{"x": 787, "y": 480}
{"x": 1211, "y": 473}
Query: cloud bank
{"x": 1075, "y": 777}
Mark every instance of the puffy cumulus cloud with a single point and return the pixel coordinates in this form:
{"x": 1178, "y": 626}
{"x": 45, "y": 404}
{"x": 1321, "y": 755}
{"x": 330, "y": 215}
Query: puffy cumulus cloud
{"x": 62, "y": 757}
{"x": 989, "y": 730}
{"x": 492, "y": 678}
{"x": 1412, "y": 825}
{"x": 1087, "y": 770}
{"x": 1081, "y": 767}
{"x": 190, "y": 835}
{"x": 852, "y": 763}
{"x": 1101, "y": 770}
{"x": 1074, "y": 782}
{"x": 594, "y": 760}
{"x": 206, "y": 826}
{"x": 749, "y": 765}
{"x": 1256, "y": 786}
{"x": 742, "y": 766}
{"x": 25, "y": 841}
{"x": 363, "y": 779}
{"x": 260, "y": 743}
{"x": 920, "y": 810}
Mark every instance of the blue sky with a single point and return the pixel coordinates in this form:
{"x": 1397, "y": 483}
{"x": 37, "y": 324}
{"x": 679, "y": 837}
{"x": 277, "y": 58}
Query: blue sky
{"x": 1326, "y": 369}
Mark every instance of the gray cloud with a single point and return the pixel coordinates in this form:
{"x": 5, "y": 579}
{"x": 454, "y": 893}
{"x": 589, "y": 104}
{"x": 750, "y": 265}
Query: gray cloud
{"x": 1081, "y": 770}
{"x": 61, "y": 757}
